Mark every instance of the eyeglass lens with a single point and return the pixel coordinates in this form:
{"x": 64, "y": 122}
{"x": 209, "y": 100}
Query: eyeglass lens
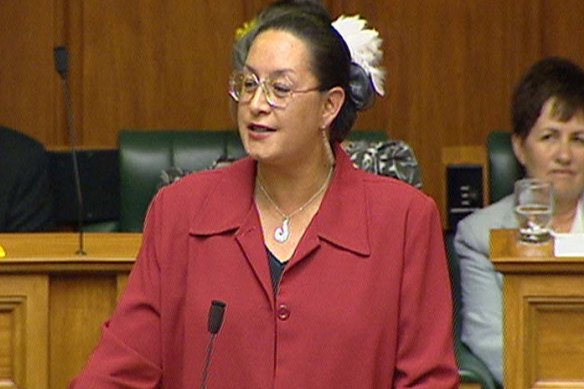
{"x": 243, "y": 87}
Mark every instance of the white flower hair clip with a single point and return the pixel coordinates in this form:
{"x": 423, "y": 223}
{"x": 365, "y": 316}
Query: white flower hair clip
{"x": 365, "y": 47}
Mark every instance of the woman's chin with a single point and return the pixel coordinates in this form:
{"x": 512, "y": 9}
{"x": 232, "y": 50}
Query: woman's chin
{"x": 258, "y": 155}
{"x": 566, "y": 195}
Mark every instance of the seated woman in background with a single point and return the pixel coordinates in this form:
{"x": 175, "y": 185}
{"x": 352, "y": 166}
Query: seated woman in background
{"x": 25, "y": 194}
{"x": 548, "y": 140}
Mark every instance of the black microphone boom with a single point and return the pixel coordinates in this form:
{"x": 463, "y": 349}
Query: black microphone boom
{"x": 216, "y": 313}
{"x": 62, "y": 66}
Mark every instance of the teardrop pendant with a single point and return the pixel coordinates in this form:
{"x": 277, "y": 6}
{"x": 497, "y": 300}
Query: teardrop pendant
{"x": 281, "y": 234}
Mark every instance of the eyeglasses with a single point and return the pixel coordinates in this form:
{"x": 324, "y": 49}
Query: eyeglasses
{"x": 278, "y": 90}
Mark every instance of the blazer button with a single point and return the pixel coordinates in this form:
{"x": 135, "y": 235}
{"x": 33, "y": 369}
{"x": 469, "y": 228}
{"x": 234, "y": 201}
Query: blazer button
{"x": 283, "y": 312}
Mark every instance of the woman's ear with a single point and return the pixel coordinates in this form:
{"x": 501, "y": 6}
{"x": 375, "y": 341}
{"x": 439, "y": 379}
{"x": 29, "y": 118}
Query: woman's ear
{"x": 518, "y": 148}
{"x": 334, "y": 99}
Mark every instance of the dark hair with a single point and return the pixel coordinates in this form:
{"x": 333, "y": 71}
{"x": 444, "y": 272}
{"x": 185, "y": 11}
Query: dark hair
{"x": 274, "y": 10}
{"x": 330, "y": 60}
{"x": 551, "y": 78}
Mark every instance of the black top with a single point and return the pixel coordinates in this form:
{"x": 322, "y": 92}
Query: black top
{"x": 276, "y": 269}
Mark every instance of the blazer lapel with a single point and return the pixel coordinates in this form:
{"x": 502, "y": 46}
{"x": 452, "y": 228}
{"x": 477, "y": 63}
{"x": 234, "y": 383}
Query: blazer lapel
{"x": 230, "y": 207}
{"x": 341, "y": 219}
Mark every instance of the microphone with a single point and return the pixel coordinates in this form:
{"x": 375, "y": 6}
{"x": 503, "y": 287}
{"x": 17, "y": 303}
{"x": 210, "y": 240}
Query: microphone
{"x": 216, "y": 313}
{"x": 62, "y": 61}
{"x": 62, "y": 66}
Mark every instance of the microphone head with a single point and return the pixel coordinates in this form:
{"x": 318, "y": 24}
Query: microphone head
{"x": 62, "y": 60}
{"x": 216, "y": 312}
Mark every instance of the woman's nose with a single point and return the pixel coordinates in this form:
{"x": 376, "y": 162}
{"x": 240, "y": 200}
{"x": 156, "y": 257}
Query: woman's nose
{"x": 259, "y": 100}
{"x": 564, "y": 152}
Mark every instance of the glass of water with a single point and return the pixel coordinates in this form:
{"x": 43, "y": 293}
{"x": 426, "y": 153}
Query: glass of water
{"x": 534, "y": 206}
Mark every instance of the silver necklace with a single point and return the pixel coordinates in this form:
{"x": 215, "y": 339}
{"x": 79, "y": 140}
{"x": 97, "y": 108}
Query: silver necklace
{"x": 282, "y": 233}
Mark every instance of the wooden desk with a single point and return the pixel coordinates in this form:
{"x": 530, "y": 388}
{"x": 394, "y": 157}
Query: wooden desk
{"x": 53, "y": 303}
{"x": 543, "y": 314}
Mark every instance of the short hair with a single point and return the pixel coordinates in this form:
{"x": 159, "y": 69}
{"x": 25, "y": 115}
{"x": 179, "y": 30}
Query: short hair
{"x": 551, "y": 78}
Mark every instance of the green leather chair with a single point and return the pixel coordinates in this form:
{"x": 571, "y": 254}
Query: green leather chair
{"x": 367, "y": 135}
{"x": 144, "y": 154}
{"x": 503, "y": 166}
{"x": 504, "y": 171}
{"x": 471, "y": 369}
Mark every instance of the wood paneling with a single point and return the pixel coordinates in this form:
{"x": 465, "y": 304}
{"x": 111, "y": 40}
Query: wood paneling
{"x": 543, "y": 299}
{"x": 53, "y": 303}
{"x": 156, "y": 65}
{"x": 452, "y": 65}
{"x": 24, "y": 323}
{"x": 27, "y": 81}
{"x": 451, "y": 79}
{"x": 94, "y": 298}
{"x": 470, "y": 386}
{"x": 562, "y": 29}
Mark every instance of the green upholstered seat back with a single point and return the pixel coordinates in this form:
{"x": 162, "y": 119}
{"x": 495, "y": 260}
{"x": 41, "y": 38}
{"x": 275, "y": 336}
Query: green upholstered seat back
{"x": 470, "y": 368}
{"x": 144, "y": 154}
{"x": 368, "y": 135}
{"x": 503, "y": 166}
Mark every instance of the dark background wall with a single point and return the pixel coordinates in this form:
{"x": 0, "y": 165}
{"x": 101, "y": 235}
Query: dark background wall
{"x": 451, "y": 66}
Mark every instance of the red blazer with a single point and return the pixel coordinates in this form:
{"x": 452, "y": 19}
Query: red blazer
{"x": 365, "y": 301}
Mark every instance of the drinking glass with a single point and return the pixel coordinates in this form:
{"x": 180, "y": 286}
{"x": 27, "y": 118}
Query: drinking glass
{"x": 534, "y": 205}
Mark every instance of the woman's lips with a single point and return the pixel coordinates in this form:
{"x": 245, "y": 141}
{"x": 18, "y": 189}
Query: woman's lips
{"x": 260, "y": 129}
{"x": 259, "y": 132}
{"x": 562, "y": 172}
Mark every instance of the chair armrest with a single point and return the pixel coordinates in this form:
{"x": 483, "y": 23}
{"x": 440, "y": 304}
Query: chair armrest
{"x": 471, "y": 369}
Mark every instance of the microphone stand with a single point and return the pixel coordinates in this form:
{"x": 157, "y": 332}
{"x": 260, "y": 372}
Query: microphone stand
{"x": 62, "y": 65}
{"x": 208, "y": 357}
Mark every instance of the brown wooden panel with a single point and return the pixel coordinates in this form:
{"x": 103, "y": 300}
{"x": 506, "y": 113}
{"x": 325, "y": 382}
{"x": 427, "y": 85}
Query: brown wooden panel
{"x": 543, "y": 328}
{"x": 543, "y": 299}
{"x": 117, "y": 248}
{"x": 24, "y": 326}
{"x": 448, "y": 81}
{"x": 121, "y": 282}
{"x": 40, "y": 271}
{"x": 156, "y": 65}
{"x": 451, "y": 65}
{"x": 79, "y": 307}
{"x": 27, "y": 76}
{"x": 12, "y": 363}
{"x": 563, "y": 29}
{"x": 469, "y": 386}
{"x": 557, "y": 385}
{"x": 556, "y": 327}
